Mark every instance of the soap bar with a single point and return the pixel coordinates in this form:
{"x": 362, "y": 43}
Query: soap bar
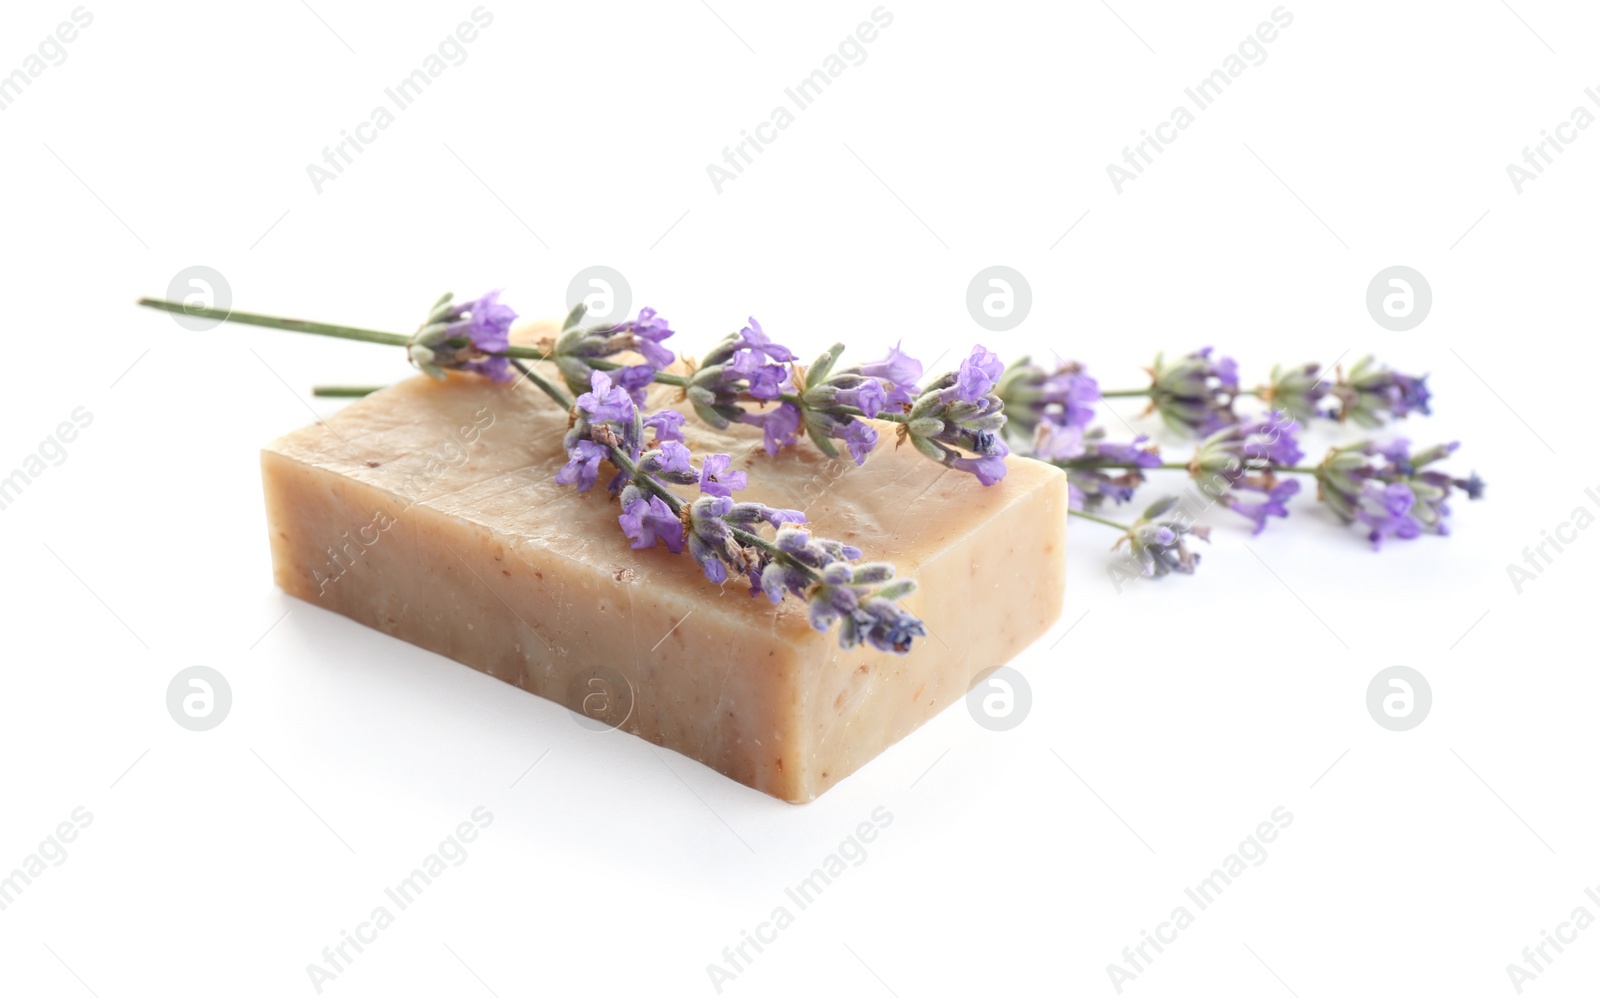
{"x": 429, "y": 511}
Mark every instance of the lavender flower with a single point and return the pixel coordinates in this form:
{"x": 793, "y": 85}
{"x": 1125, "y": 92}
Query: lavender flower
{"x": 649, "y": 521}
{"x": 1194, "y": 394}
{"x": 976, "y": 377}
{"x": 666, "y": 424}
{"x": 869, "y": 396}
{"x": 1372, "y": 394}
{"x": 1096, "y": 469}
{"x": 648, "y": 330}
{"x": 578, "y": 351}
{"x": 1156, "y": 544}
{"x": 717, "y": 480}
{"x": 830, "y": 402}
{"x": 469, "y": 336}
{"x": 1387, "y": 490}
{"x": 746, "y": 362}
{"x": 861, "y": 438}
{"x": 899, "y": 373}
{"x": 605, "y": 403}
{"x": 959, "y": 412}
{"x": 1243, "y": 458}
{"x": 780, "y": 426}
{"x": 753, "y": 338}
{"x": 1299, "y": 391}
{"x": 1035, "y": 397}
{"x": 864, "y": 599}
{"x": 583, "y": 465}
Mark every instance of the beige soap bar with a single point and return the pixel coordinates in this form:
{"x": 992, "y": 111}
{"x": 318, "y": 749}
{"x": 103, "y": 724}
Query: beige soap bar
{"x": 430, "y": 512}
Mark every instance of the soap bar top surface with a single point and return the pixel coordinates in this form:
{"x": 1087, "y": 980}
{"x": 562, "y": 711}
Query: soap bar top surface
{"x": 489, "y": 454}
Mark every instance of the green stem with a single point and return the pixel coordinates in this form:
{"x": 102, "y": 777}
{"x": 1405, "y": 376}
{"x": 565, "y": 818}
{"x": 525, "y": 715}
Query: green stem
{"x": 793, "y": 398}
{"x": 304, "y": 326}
{"x": 344, "y": 391}
{"x": 1075, "y": 464}
{"x": 275, "y": 322}
{"x": 1099, "y": 519}
{"x": 1130, "y": 393}
{"x": 559, "y": 395}
{"x": 661, "y": 377}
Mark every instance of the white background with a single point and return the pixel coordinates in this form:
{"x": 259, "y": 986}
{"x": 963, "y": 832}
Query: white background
{"x": 1170, "y": 722}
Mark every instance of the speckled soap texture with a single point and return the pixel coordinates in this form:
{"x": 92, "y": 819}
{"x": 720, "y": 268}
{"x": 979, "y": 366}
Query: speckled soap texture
{"x": 429, "y": 511}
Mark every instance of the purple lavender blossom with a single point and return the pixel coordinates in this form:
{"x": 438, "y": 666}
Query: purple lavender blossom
{"x": 951, "y": 417}
{"x": 861, "y": 438}
{"x": 1194, "y": 394}
{"x": 465, "y": 336}
{"x": 869, "y": 396}
{"x": 1156, "y": 545}
{"x": 1097, "y": 469}
{"x": 650, "y": 521}
{"x": 717, "y": 480}
{"x": 577, "y": 350}
{"x": 583, "y": 465}
{"x": 648, "y": 330}
{"x": 1276, "y": 493}
{"x": 604, "y": 403}
{"x": 1386, "y": 510}
{"x": 752, "y": 337}
{"x": 1391, "y": 489}
{"x": 1257, "y": 444}
{"x": 634, "y": 380}
{"x": 1299, "y": 391}
{"x": 675, "y": 458}
{"x": 763, "y": 381}
{"x": 900, "y": 373}
{"x": 667, "y": 424}
{"x": 1244, "y": 457}
{"x": 780, "y": 426}
{"x": 1372, "y": 394}
{"x": 1035, "y": 397}
{"x": 989, "y": 469}
{"x": 738, "y": 366}
{"x": 977, "y": 376}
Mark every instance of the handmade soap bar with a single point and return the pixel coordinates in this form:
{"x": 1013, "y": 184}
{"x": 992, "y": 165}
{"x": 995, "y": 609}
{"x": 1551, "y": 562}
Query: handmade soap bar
{"x": 430, "y": 511}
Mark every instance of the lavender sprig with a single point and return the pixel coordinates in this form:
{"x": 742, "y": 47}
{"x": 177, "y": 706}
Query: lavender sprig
{"x": 957, "y": 419}
{"x": 1245, "y": 457}
{"x": 1386, "y": 489}
{"x": 1088, "y": 459}
{"x": 719, "y": 533}
{"x": 1372, "y": 394}
{"x": 1037, "y": 398}
{"x": 1156, "y": 541}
